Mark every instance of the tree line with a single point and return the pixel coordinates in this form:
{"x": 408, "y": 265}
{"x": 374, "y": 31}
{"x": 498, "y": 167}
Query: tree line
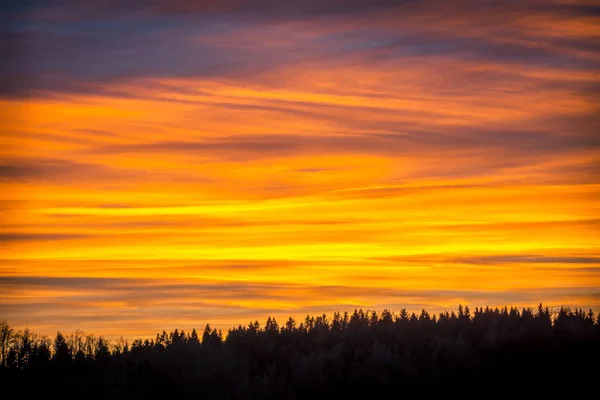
{"x": 351, "y": 355}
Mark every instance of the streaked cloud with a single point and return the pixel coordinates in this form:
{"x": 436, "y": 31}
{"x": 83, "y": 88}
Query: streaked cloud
{"x": 142, "y": 303}
{"x": 168, "y": 163}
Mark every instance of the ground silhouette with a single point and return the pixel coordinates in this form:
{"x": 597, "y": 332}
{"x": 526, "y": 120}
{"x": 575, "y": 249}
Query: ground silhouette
{"x": 471, "y": 353}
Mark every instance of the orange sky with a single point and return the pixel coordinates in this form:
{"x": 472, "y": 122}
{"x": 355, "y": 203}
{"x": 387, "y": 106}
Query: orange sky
{"x": 156, "y": 174}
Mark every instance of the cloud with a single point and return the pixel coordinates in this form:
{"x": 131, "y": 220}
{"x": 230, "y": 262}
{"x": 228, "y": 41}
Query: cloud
{"x": 151, "y": 305}
{"x": 530, "y": 259}
{"x": 256, "y": 8}
{"x": 58, "y": 170}
{"x": 37, "y": 237}
{"x": 214, "y": 40}
{"x": 155, "y": 292}
{"x": 311, "y": 170}
{"x": 524, "y": 145}
{"x": 68, "y": 172}
{"x": 224, "y": 160}
{"x": 277, "y": 8}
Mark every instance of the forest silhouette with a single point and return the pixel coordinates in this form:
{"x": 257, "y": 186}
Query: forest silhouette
{"x": 485, "y": 352}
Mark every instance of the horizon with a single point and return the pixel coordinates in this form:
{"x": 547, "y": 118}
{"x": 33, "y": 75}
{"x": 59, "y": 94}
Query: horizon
{"x": 169, "y": 164}
{"x": 300, "y": 323}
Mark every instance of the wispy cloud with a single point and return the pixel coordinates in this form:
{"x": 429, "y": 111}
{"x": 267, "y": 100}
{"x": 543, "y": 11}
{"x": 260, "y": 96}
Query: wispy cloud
{"x": 170, "y": 162}
{"x": 137, "y": 304}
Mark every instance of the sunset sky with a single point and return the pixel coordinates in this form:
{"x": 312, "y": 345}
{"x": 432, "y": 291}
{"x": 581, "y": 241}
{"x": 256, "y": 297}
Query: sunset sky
{"x": 171, "y": 163}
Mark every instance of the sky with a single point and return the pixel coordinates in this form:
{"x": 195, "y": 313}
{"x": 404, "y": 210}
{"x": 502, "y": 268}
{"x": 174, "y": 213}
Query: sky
{"x": 166, "y": 164}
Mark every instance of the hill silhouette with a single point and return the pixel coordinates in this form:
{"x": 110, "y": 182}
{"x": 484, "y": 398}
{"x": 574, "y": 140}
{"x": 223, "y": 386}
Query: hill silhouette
{"x": 484, "y": 352}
